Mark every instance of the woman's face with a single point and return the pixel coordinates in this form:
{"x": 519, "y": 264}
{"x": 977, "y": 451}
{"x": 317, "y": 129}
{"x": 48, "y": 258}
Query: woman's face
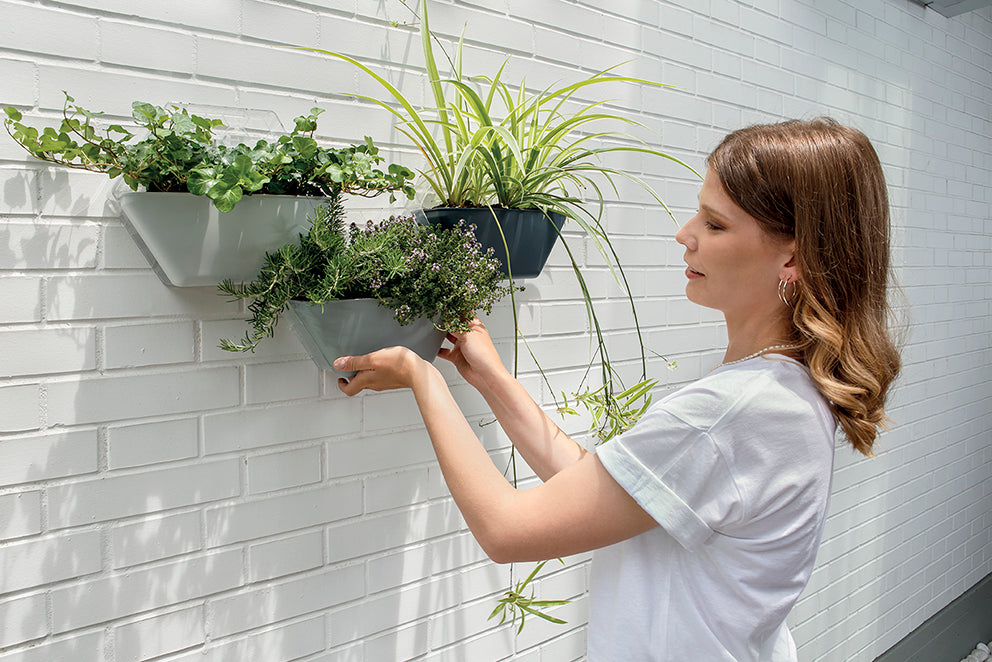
{"x": 734, "y": 265}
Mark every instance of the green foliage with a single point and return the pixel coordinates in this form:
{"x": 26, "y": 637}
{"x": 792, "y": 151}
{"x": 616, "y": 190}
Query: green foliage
{"x": 500, "y": 146}
{"x": 181, "y": 153}
{"x": 517, "y": 601}
{"x": 416, "y": 270}
{"x": 612, "y": 414}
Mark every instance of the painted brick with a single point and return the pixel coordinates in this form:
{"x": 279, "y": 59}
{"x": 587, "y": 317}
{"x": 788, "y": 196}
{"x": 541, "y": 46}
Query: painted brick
{"x": 151, "y": 637}
{"x": 376, "y": 534}
{"x": 252, "y": 428}
{"x": 47, "y": 456}
{"x": 380, "y": 452}
{"x": 43, "y": 560}
{"x": 413, "y": 640}
{"x": 21, "y": 197}
{"x": 420, "y": 562}
{"x": 118, "y": 40}
{"x": 285, "y": 556}
{"x": 217, "y": 16}
{"x": 133, "y": 295}
{"x": 75, "y": 194}
{"x": 272, "y": 382}
{"x": 279, "y": 514}
{"x": 121, "y": 495}
{"x": 20, "y": 514}
{"x": 24, "y": 619}
{"x": 47, "y": 351}
{"x": 87, "y": 645}
{"x": 282, "y": 470}
{"x": 397, "y": 490}
{"x": 283, "y": 345}
{"x": 20, "y": 407}
{"x": 20, "y": 299}
{"x": 138, "y": 591}
{"x": 23, "y": 24}
{"x": 134, "y": 345}
{"x": 120, "y": 251}
{"x": 17, "y": 87}
{"x": 117, "y": 398}
{"x": 223, "y": 59}
{"x": 151, "y": 443}
{"x": 114, "y": 94}
{"x": 41, "y": 246}
{"x": 272, "y": 603}
{"x": 280, "y": 24}
{"x": 281, "y": 644}
{"x": 155, "y": 538}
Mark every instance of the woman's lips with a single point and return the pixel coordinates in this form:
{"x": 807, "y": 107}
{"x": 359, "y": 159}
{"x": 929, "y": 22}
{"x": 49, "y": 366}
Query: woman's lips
{"x": 690, "y": 274}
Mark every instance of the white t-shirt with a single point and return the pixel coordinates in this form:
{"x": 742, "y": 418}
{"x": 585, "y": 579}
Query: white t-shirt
{"x": 736, "y": 470}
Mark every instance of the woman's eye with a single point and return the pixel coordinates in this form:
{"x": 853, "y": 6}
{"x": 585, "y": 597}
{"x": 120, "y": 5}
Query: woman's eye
{"x": 710, "y": 225}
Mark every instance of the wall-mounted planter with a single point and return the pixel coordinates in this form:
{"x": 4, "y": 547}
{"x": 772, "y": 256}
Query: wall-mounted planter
{"x": 188, "y": 242}
{"x": 351, "y": 327}
{"x": 530, "y": 234}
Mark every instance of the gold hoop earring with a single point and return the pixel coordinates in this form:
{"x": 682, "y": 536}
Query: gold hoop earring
{"x": 783, "y": 289}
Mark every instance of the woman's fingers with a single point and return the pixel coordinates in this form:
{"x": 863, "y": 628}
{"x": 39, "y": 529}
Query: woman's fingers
{"x": 382, "y": 370}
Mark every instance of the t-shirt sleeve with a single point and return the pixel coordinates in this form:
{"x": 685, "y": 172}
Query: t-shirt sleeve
{"x": 676, "y": 472}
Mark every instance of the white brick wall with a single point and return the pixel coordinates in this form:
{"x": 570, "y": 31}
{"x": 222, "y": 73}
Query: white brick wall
{"x": 162, "y": 499}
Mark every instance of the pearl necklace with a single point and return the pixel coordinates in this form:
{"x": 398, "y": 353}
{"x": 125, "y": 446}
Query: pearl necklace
{"x": 773, "y": 348}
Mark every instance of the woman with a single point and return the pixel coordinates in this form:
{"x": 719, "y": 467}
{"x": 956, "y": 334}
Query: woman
{"x": 706, "y": 515}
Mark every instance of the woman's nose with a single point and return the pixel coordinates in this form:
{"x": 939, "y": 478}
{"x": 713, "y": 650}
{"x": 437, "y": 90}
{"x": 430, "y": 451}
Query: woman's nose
{"x": 684, "y": 235}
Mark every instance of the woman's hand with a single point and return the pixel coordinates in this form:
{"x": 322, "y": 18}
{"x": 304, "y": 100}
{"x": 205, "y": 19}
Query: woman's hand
{"x": 383, "y": 370}
{"x": 473, "y": 354}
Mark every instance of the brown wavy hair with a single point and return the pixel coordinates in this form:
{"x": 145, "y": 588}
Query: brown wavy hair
{"x": 822, "y": 183}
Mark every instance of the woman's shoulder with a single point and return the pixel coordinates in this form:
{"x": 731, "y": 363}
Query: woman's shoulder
{"x": 759, "y": 393}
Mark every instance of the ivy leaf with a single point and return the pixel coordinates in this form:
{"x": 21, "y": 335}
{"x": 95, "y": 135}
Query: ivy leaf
{"x": 307, "y": 147}
{"x": 335, "y": 172}
{"x": 117, "y": 128}
{"x": 183, "y": 123}
{"x": 12, "y": 113}
{"x": 224, "y": 195}
{"x": 305, "y": 124}
{"x": 202, "y": 179}
{"x": 142, "y": 111}
{"x": 243, "y": 173}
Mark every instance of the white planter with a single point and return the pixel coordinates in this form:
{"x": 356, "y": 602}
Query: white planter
{"x": 352, "y": 327}
{"x": 188, "y": 242}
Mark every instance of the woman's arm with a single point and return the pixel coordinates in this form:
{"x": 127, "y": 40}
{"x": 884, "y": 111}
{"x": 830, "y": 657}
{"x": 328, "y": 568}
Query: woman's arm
{"x": 543, "y": 445}
{"x": 578, "y": 509}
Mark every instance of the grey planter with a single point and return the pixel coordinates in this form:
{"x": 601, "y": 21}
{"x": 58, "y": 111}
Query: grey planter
{"x": 530, "y": 234}
{"x": 351, "y": 327}
{"x": 189, "y": 243}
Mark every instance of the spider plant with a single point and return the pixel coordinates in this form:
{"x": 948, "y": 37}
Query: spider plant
{"x": 487, "y": 143}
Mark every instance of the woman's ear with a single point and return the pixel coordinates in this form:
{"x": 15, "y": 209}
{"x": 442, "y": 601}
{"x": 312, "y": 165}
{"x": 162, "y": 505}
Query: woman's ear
{"x": 789, "y": 271}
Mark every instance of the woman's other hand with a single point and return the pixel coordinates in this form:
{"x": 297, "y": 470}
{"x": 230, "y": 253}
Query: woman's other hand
{"x": 473, "y": 354}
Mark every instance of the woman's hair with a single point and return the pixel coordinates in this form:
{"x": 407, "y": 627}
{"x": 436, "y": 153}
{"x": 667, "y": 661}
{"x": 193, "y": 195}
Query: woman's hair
{"x": 822, "y": 184}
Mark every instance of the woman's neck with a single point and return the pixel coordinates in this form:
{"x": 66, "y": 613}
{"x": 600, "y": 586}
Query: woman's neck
{"x": 752, "y": 334}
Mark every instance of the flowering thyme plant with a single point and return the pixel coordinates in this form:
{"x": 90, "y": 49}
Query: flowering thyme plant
{"x": 416, "y": 270}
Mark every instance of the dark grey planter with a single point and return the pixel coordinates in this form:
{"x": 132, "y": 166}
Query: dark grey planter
{"x": 189, "y": 243}
{"x": 530, "y": 234}
{"x": 351, "y": 327}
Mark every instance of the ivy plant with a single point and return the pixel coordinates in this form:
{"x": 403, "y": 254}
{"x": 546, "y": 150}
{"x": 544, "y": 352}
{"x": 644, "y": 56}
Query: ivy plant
{"x": 182, "y": 153}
